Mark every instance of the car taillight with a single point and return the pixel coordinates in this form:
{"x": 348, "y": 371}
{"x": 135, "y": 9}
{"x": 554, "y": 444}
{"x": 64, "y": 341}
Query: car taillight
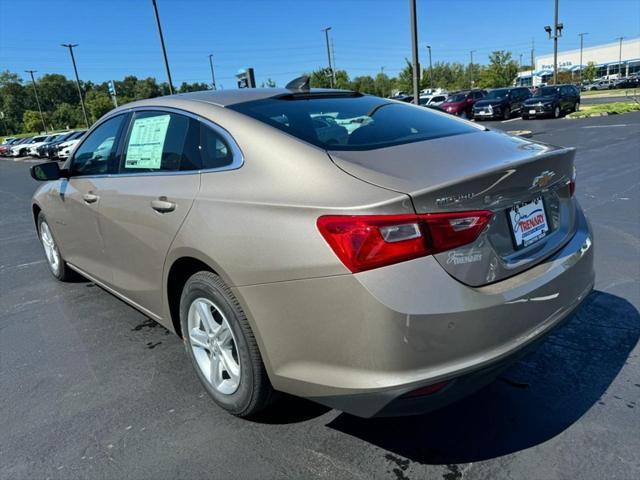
{"x": 372, "y": 241}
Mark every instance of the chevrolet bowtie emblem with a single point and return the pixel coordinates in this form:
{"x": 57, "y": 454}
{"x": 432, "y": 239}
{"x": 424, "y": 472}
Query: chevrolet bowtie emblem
{"x": 543, "y": 180}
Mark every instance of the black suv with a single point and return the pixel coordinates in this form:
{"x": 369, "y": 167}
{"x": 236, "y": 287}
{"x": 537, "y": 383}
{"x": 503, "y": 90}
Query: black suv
{"x": 501, "y": 103}
{"x": 552, "y": 100}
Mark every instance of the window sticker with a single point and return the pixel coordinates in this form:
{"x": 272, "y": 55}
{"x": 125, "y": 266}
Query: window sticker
{"x": 146, "y": 142}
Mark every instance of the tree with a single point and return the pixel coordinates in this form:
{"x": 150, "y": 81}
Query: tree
{"x": 364, "y": 84}
{"x": 383, "y": 85}
{"x": 32, "y": 121}
{"x": 67, "y": 116}
{"x": 565, "y": 77}
{"x": 98, "y": 103}
{"x": 268, "y": 84}
{"x": 192, "y": 87}
{"x": 590, "y": 72}
{"x": 13, "y": 101}
{"x": 321, "y": 78}
{"x": 501, "y": 71}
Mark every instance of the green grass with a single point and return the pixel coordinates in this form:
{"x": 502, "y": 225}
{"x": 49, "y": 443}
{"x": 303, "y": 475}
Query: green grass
{"x": 618, "y": 92}
{"x": 610, "y": 108}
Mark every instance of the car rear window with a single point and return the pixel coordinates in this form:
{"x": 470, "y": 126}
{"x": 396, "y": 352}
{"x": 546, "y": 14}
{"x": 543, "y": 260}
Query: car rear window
{"x": 351, "y": 122}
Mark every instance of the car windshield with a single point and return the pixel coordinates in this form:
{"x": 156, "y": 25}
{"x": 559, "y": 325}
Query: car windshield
{"x": 358, "y": 122}
{"x": 456, "y": 98}
{"x": 546, "y": 91}
{"x": 500, "y": 93}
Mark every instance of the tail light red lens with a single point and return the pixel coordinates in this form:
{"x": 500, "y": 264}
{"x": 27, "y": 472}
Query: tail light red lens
{"x": 372, "y": 241}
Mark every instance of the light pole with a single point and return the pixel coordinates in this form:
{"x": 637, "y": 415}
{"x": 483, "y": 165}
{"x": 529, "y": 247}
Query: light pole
{"x": 331, "y": 72}
{"x": 471, "y": 67}
{"x": 620, "y": 57}
{"x": 75, "y": 70}
{"x": 213, "y": 77}
{"x": 414, "y": 52}
{"x": 581, "y": 35}
{"x": 164, "y": 50}
{"x": 557, "y": 32}
{"x": 35, "y": 90}
{"x": 520, "y": 62}
{"x": 430, "y": 67}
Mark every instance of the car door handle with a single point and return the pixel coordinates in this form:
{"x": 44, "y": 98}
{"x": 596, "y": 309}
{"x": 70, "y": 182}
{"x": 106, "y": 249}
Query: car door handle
{"x": 162, "y": 205}
{"x": 90, "y": 198}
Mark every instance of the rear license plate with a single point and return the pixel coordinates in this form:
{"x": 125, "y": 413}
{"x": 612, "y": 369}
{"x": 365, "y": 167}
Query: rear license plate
{"x": 532, "y": 112}
{"x": 528, "y": 222}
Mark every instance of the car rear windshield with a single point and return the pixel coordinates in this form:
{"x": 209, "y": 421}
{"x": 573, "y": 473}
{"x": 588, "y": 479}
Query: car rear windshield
{"x": 351, "y": 122}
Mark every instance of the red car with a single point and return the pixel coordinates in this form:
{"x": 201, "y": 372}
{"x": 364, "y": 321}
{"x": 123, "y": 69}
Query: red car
{"x": 461, "y": 103}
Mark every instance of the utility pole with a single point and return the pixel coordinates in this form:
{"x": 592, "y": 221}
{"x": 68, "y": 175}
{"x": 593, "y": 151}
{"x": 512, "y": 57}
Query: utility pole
{"x": 35, "y": 90}
{"x": 557, "y": 32}
{"x": 430, "y": 67}
{"x": 620, "y": 58}
{"x": 331, "y": 74}
{"x": 333, "y": 62}
{"x": 164, "y": 50}
{"x": 533, "y": 61}
{"x": 520, "y": 62}
{"x": 213, "y": 77}
{"x": 581, "y": 35}
{"x": 414, "y": 52}
{"x": 70, "y": 46}
{"x": 471, "y": 68}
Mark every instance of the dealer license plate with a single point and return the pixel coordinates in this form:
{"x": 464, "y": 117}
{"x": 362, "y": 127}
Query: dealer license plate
{"x": 528, "y": 222}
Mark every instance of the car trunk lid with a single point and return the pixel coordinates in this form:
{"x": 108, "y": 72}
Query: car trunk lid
{"x": 482, "y": 170}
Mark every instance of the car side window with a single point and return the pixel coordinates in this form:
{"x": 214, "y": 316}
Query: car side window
{"x": 214, "y": 150}
{"x": 96, "y": 153}
{"x": 160, "y": 141}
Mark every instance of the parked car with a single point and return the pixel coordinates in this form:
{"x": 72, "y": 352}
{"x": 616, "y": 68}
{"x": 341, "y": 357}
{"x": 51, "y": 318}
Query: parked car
{"x": 628, "y": 82}
{"x": 21, "y": 149}
{"x": 553, "y": 101}
{"x": 389, "y": 271}
{"x": 51, "y": 149}
{"x": 65, "y": 148}
{"x": 602, "y": 85}
{"x": 43, "y": 148}
{"x": 33, "y": 148}
{"x": 7, "y": 140}
{"x": 461, "y": 103}
{"x": 432, "y": 100}
{"x": 5, "y": 148}
{"x": 501, "y": 103}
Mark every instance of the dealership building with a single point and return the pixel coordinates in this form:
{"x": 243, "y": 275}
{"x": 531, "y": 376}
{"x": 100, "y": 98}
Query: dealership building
{"x": 611, "y": 60}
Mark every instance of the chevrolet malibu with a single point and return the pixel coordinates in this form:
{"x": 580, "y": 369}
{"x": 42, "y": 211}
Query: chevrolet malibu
{"x": 387, "y": 266}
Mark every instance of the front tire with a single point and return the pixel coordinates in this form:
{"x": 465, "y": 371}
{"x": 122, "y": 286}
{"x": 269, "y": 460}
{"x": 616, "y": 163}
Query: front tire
{"x": 221, "y": 345}
{"x": 56, "y": 263}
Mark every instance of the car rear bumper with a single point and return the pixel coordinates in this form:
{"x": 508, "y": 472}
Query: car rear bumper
{"x": 361, "y": 342}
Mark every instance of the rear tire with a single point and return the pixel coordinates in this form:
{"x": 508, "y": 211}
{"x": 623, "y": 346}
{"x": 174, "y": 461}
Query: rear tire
{"x": 55, "y": 262}
{"x": 222, "y": 347}
{"x": 506, "y": 115}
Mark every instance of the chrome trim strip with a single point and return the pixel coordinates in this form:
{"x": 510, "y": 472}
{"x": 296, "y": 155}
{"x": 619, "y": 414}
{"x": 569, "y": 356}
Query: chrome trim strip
{"x": 238, "y": 157}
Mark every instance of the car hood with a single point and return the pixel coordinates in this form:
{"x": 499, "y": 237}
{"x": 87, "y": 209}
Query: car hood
{"x": 492, "y": 102}
{"x": 534, "y": 100}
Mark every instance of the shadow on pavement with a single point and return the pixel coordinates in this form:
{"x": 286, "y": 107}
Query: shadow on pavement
{"x": 542, "y": 395}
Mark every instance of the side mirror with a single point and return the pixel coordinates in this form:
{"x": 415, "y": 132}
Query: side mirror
{"x": 46, "y": 171}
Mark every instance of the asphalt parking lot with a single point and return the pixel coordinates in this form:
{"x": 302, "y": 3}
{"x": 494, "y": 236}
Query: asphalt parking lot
{"x": 90, "y": 388}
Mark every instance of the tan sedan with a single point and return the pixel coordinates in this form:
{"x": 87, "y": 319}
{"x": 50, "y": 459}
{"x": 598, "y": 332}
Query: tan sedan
{"x": 374, "y": 256}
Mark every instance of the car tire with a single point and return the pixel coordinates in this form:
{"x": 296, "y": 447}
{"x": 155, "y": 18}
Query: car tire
{"x": 219, "y": 341}
{"x": 55, "y": 262}
{"x": 506, "y": 114}
{"x": 525, "y": 117}
{"x": 557, "y": 112}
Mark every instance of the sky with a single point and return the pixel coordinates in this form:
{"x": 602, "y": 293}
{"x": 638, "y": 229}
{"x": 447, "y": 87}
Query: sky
{"x": 282, "y": 39}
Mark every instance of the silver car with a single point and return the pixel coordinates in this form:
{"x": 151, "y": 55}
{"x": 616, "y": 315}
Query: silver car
{"x": 371, "y": 255}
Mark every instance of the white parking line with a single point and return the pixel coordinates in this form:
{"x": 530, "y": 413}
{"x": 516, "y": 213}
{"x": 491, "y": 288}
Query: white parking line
{"x": 606, "y": 126}
{"x": 511, "y": 120}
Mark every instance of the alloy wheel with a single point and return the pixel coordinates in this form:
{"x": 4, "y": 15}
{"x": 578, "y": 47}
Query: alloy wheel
{"x": 50, "y": 248}
{"x": 214, "y": 346}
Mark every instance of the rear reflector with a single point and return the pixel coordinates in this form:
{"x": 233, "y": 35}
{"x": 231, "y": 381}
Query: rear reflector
{"x": 424, "y": 391}
{"x": 372, "y": 241}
